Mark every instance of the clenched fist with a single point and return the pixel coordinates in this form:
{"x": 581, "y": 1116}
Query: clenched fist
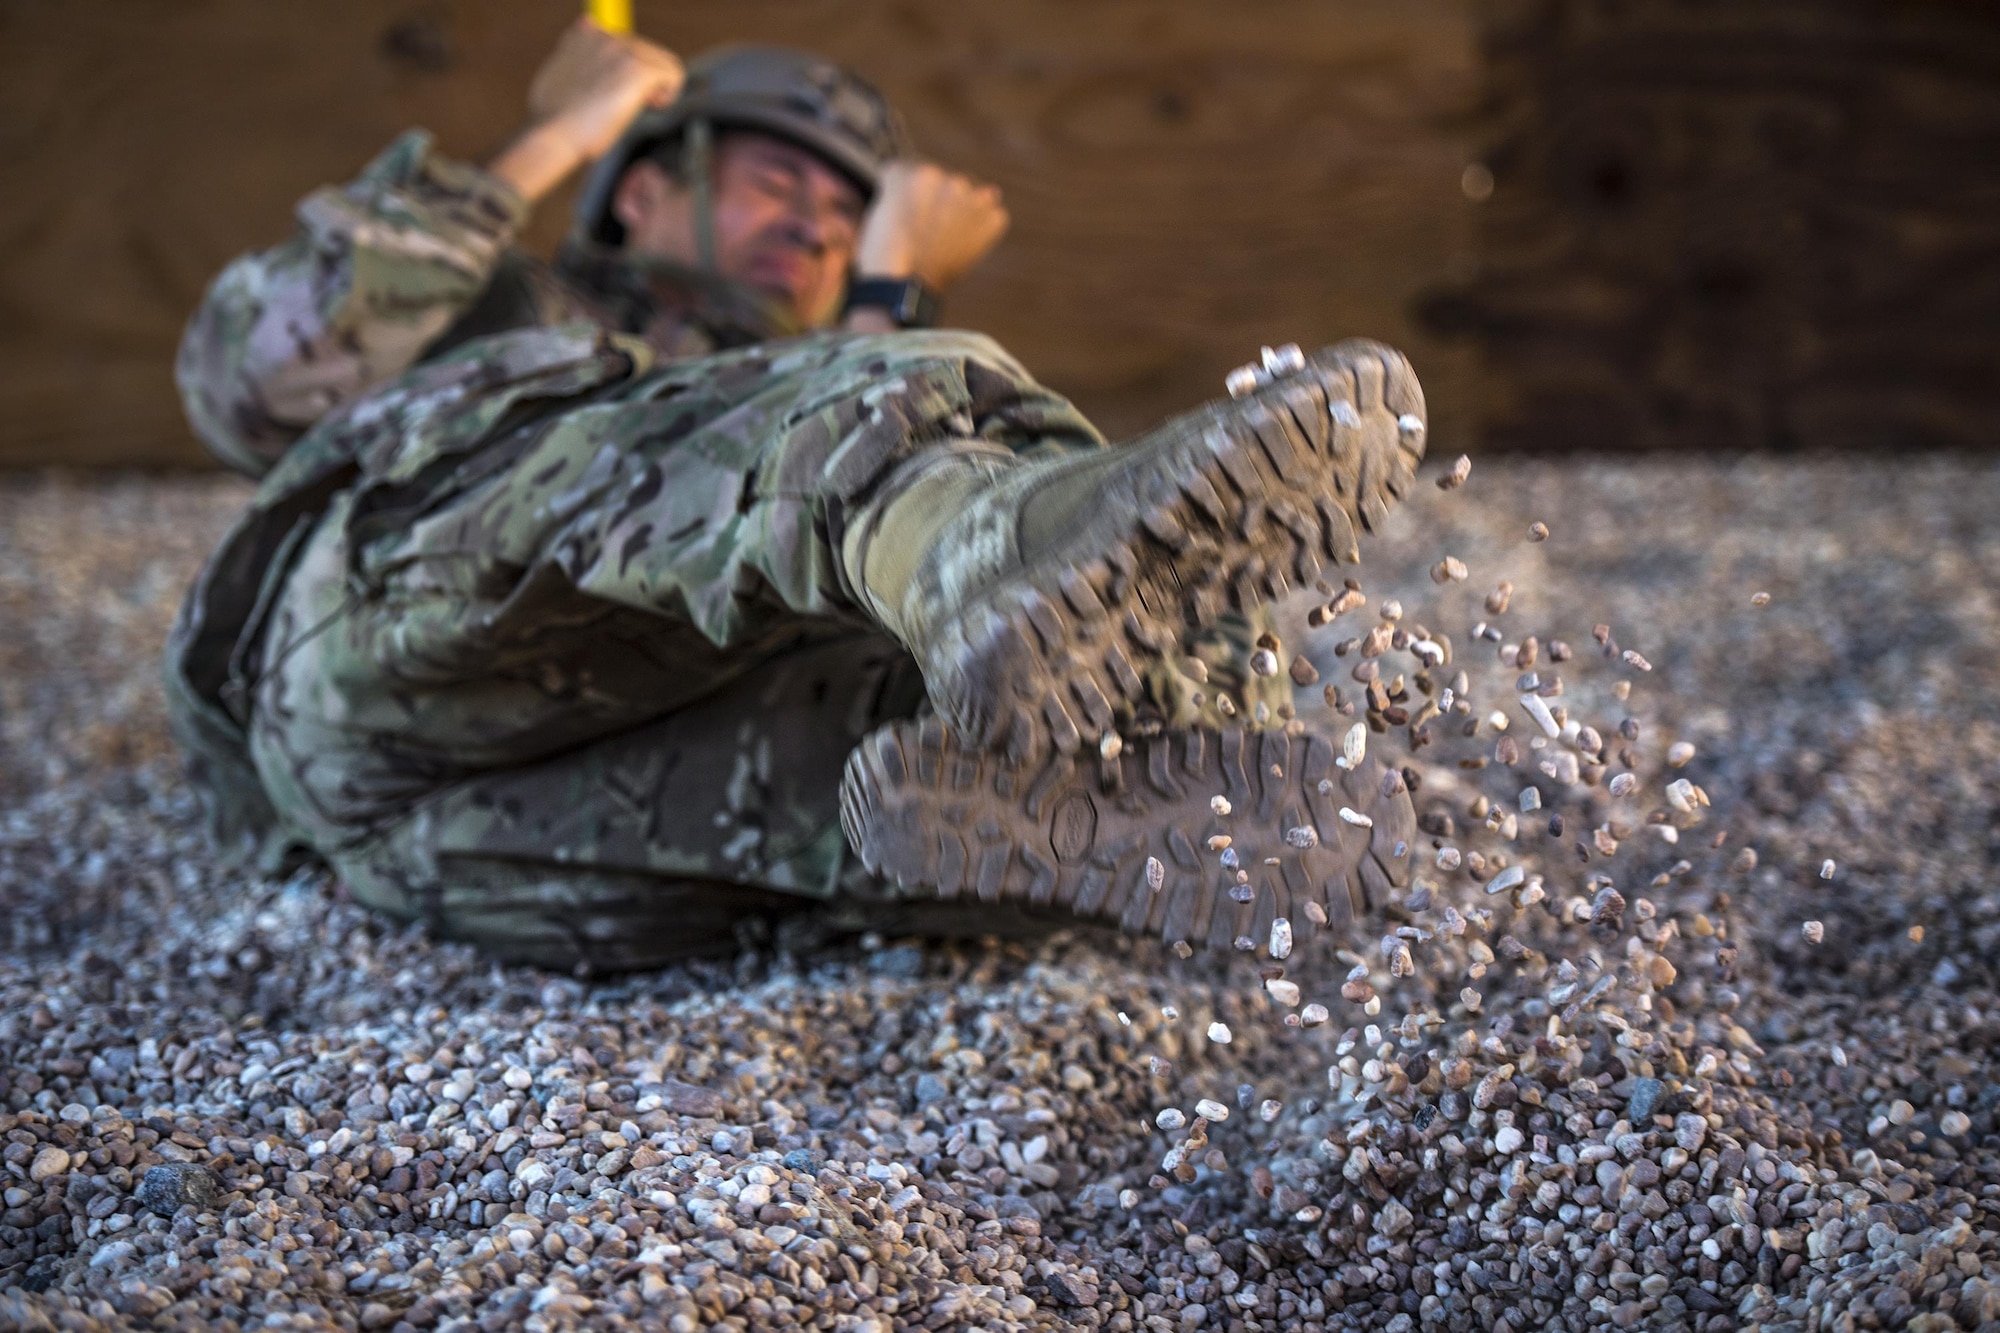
{"x": 929, "y": 223}
{"x": 590, "y": 88}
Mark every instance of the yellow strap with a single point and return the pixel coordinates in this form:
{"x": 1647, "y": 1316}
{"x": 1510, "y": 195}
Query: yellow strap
{"x": 610, "y": 15}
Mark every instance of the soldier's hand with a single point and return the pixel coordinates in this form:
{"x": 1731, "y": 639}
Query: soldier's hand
{"x": 589, "y": 89}
{"x": 929, "y": 223}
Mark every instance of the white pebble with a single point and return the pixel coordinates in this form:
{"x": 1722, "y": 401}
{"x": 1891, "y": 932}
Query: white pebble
{"x": 1354, "y": 746}
{"x": 1508, "y": 1140}
{"x": 1954, "y": 1123}
{"x": 1356, "y": 818}
{"x": 1814, "y": 932}
{"x": 1219, "y": 804}
{"x": 1313, "y": 1015}
{"x": 1534, "y": 706}
{"x": 1212, "y": 1111}
{"x": 1170, "y": 1118}
{"x": 1826, "y": 869}
{"x": 1679, "y": 753}
{"x": 1283, "y": 991}
{"x": 1281, "y": 938}
{"x": 1112, "y": 745}
{"x": 1219, "y": 1033}
{"x": 1156, "y": 874}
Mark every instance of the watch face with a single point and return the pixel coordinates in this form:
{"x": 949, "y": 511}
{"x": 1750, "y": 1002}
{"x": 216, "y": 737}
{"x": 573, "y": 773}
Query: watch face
{"x": 907, "y": 301}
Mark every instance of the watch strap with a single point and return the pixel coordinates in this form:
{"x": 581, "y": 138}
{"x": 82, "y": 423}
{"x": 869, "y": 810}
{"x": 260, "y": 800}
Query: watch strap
{"x": 906, "y": 300}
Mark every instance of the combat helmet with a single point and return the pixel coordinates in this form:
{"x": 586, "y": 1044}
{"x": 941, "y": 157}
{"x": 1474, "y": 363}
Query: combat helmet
{"x": 791, "y": 94}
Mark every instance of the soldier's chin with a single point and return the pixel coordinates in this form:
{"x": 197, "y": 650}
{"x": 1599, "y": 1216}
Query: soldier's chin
{"x": 781, "y": 294}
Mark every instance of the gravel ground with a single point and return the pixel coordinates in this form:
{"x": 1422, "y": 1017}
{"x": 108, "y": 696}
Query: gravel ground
{"x": 1713, "y": 1054}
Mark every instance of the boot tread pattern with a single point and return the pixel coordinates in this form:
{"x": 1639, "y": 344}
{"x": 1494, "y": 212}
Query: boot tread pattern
{"x": 1254, "y": 500}
{"x": 1077, "y": 832}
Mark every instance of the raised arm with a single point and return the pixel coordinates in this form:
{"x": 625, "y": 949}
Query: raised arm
{"x": 378, "y": 268}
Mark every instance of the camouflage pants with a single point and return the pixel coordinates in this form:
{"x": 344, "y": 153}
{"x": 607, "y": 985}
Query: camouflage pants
{"x": 551, "y": 648}
{"x": 660, "y": 840}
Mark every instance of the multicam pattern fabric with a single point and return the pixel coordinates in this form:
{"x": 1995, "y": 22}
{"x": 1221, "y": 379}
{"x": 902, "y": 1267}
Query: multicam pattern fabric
{"x": 523, "y": 554}
{"x": 547, "y": 640}
{"x": 407, "y": 261}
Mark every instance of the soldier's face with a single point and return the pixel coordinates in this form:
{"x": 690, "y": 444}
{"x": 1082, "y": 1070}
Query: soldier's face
{"x": 786, "y": 224}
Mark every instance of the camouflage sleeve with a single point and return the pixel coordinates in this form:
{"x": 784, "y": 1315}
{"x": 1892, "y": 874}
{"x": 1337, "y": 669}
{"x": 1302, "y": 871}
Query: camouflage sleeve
{"x": 377, "y": 269}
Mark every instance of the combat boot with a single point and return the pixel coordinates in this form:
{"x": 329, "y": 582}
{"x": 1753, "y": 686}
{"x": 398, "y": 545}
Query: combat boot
{"x": 1035, "y": 592}
{"x": 1209, "y": 837}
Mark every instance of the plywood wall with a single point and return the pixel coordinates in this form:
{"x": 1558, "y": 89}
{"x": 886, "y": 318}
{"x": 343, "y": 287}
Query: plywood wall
{"x": 1768, "y": 224}
{"x": 1188, "y": 179}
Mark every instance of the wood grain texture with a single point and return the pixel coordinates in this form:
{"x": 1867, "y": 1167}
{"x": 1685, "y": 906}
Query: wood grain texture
{"x": 1187, "y": 180}
{"x": 1765, "y": 224}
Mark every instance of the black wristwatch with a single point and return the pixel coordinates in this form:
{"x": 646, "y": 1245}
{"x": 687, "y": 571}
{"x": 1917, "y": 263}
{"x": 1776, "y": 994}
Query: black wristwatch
{"x": 905, "y": 300}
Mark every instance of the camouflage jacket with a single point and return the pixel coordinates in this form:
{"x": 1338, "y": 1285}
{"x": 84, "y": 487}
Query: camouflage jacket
{"x": 412, "y": 258}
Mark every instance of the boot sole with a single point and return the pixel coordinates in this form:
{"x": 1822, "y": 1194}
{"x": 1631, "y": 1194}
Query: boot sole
{"x": 1084, "y": 833}
{"x": 1245, "y": 506}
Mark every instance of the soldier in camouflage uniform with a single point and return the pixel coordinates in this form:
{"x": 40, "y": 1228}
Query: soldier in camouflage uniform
{"x": 570, "y": 594}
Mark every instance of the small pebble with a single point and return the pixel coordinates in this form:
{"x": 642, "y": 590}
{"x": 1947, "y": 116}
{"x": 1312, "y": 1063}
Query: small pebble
{"x": 1219, "y": 1033}
{"x": 1814, "y": 932}
{"x": 169, "y": 1187}
{"x": 1281, "y": 938}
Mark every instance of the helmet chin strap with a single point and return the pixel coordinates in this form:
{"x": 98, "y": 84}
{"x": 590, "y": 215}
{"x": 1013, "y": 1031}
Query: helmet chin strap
{"x": 697, "y": 154}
